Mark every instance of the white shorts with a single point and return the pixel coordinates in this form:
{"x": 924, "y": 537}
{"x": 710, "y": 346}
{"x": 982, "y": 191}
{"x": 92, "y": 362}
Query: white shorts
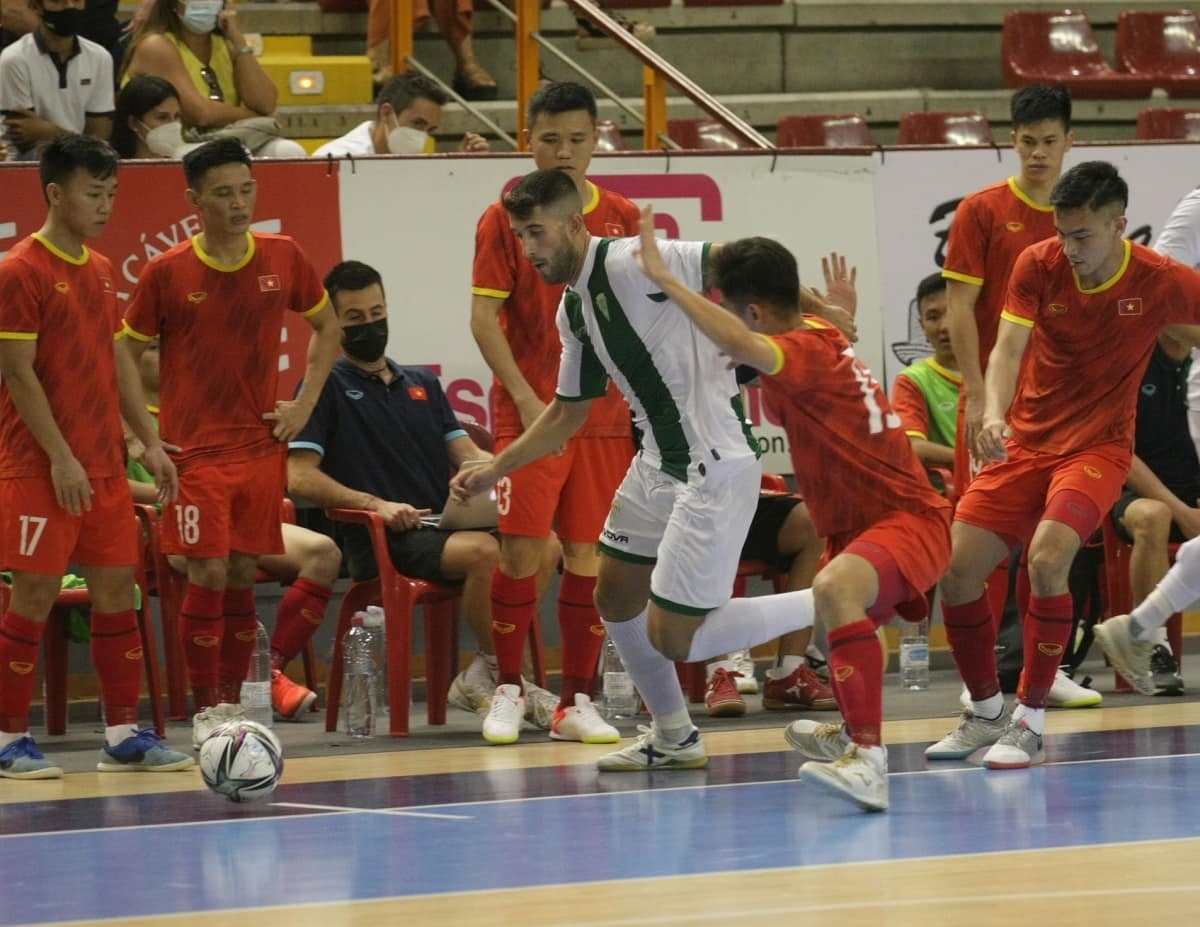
{"x": 692, "y": 532}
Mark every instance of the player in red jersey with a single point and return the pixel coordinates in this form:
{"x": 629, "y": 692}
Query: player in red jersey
{"x": 991, "y": 228}
{"x": 63, "y": 496}
{"x": 886, "y": 530}
{"x": 512, "y": 318}
{"x": 217, "y": 305}
{"x": 1081, "y": 320}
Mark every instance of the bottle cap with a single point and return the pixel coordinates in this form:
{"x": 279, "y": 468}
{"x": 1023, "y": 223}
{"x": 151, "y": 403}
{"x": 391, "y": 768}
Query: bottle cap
{"x": 357, "y": 620}
{"x": 373, "y": 616}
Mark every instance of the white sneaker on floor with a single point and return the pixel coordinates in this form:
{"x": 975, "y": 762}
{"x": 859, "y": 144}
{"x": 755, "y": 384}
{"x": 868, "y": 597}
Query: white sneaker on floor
{"x": 1129, "y": 657}
{"x": 1018, "y": 748}
{"x": 650, "y": 751}
{"x": 858, "y": 776}
{"x": 972, "y": 733}
{"x": 503, "y": 722}
{"x": 1067, "y": 693}
{"x": 209, "y": 719}
{"x": 472, "y": 689}
{"x": 581, "y": 722}
{"x": 747, "y": 682}
{"x": 817, "y": 741}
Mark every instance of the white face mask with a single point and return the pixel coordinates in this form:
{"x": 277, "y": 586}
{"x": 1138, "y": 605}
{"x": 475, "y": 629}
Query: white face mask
{"x": 406, "y": 140}
{"x": 200, "y": 16}
{"x": 166, "y": 139}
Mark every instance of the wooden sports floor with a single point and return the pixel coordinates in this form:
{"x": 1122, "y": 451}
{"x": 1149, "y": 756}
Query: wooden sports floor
{"x": 1106, "y": 832}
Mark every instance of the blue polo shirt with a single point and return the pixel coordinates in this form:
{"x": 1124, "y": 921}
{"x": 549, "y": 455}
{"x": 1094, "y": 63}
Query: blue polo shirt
{"x": 387, "y": 439}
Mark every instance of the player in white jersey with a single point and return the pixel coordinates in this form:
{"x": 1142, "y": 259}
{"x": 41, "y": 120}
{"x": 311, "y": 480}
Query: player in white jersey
{"x": 669, "y": 550}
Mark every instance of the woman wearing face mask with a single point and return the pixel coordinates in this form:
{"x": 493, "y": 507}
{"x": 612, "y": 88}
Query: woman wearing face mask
{"x": 198, "y": 46}
{"x": 147, "y": 120}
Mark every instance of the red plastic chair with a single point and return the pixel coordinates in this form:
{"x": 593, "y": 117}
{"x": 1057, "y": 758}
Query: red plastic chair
{"x": 56, "y": 656}
{"x": 1169, "y": 123}
{"x": 840, "y": 130}
{"x": 610, "y": 139}
{"x": 1120, "y": 598}
{"x": 1058, "y": 46}
{"x": 1164, "y": 46}
{"x": 969, "y": 129}
{"x": 702, "y": 135}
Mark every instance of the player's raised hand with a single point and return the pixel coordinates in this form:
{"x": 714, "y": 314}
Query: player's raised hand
{"x": 840, "y": 289}
{"x": 813, "y": 303}
{"x": 289, "y": 417}
{"x": 72, "y": 490}
{"x": 649, "y": 259}
{"x": 470, "y": 481}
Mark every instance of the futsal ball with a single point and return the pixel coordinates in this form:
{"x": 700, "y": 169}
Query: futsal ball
{"x": 241, "y": 761}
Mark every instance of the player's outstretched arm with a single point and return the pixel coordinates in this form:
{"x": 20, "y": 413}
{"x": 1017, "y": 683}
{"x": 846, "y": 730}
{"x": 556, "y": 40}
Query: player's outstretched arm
{"x": 290, "y": 416}
{"x": 721, "y": 327}
{"x": 133, "y": 410}
{"x": 497, "y": 354}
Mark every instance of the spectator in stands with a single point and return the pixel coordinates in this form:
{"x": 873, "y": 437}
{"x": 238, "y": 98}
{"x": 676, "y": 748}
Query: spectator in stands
{"x": 383, "y": 438}
{"x": 53, "y": 82}
{"x": 97, "y": 21}
{"x": 147, "y": 121}
{"x": 201, "y": 50}
{"x": 454, "y": 20}
{"x": 408, "y": 109}
{"x": 309, "y": 564}
{"x": 1161, "y": 501}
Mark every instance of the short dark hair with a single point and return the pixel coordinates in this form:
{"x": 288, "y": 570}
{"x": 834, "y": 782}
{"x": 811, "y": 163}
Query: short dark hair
{"x": 542, "y": 189}
{"x": 1092, "y": 184}
{"x": 1039, "y": 102}
{"x": 137, "y": 98}
{"x": 756, "y": 270}
{"x": 561, "y": 97}
{"x": 934, "y": 283}
{"x": 352, "y": 276}
{"x": 61, "y": 157}
{"x": 400, "y": 91}
{"x": 217, "y": 153}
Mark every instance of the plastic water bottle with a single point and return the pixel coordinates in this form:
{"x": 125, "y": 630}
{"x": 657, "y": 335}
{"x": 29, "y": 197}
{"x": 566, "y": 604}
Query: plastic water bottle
{"x": 256, "y": 689}
{"x": 359, "y": 679}
{"x": 374, "y": 621}
{"x": 914, "y": 655}
{"x": 620, "y": 695}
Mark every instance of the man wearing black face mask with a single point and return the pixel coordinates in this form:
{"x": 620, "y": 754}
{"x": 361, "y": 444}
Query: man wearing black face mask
{"x": 384, "y": 438}
{"x": 53, "y": 82}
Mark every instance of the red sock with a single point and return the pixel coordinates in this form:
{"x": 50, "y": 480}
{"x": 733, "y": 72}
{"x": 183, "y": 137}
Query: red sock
{"x": 972, "y": 636}
{"x": 582, "y": 635}
{"x": 1045, "y": 634}
{"x": 19, "y": 640}
{"x": 300, "y": 614}
{"x": 201, "y": 624}
{"x": 856, "y": 672}
{"x": 514, "y": 609}
{"x": 997, "y": 593}
{"x": 117, "y": 657}
{"x": 237, "y": 645}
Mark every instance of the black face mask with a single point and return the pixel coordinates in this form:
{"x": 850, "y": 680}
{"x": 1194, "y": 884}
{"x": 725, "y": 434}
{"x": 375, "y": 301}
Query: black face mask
{"x": 365, "y": 342}
{"x": 64, "y": 23}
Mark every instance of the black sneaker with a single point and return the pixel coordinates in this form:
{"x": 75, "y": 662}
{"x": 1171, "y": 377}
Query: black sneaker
{"x": 1167, "y": 680}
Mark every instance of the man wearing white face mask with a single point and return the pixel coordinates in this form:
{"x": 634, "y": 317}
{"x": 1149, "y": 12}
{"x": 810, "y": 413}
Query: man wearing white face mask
{"x": 53, "y": 82}
{"x": 407, "y": 112}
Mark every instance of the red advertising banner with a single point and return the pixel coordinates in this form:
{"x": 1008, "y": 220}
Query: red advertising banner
{"x": 151, "y": 216}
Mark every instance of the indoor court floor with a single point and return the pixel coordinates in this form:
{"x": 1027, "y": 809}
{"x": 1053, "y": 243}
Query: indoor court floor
{"x": 438, "y": 829}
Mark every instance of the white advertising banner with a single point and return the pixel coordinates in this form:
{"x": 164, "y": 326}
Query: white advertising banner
{"x": 415, "y": 221}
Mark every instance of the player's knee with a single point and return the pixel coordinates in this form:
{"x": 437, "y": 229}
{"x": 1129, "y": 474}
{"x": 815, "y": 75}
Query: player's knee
{"x": 1049, "y": 567}
{"x": 483, "y": 555}
{"x": 521, "y": 556}
{"x": 614, "y": 603}
{"x": 1148, "y": 522}
{"x": 798, "y": 532}
{"x": 673, "y": 639}
{"x": 323, "y": 563}
{"x": 835, "y": 600}
{"x": 210, "y": 573}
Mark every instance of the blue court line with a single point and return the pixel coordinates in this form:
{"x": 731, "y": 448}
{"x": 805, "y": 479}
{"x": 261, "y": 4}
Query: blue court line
{"x": 331, "y": 857}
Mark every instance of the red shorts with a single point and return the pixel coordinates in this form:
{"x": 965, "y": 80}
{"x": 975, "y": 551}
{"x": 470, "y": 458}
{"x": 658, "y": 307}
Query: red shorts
{"x": 1009, "y": 497}
{"x": 569, "y": 493}
{"x": 909, "y": 551}
{"x": 227, "y": 507}
{"x": 37, "y": 536}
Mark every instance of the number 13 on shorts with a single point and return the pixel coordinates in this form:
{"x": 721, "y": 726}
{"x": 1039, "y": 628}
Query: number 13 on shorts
{"x": 188, "y": 518}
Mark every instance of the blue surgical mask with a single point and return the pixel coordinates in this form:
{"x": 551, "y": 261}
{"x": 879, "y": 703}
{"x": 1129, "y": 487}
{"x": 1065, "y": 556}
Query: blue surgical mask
{"x": 200, "y": 16}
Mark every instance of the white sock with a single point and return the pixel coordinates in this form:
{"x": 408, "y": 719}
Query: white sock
{"x": 740, "y": 624}
{"x": 652, "y": 673}
{"x": 115, "y": 733}
{"x": 789, "y": 663}
{"x": 1159, "y": 638}
{"x": 1174, "y": 593}
{"x": 1034, "y": 718}
{"x": 6, "y": 738}
{"x": 1151, "y": 614}
{"x": 990, "y": 708}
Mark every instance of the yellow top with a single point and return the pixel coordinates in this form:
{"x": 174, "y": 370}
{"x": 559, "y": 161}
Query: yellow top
{"x": 221, "y": 63}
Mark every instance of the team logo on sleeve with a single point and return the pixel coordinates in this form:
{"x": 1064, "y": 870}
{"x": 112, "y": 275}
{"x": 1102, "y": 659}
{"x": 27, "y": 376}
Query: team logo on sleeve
{"x": 1131, "y": 306}
{"x": 107, "y": 283}
{"x": 268, "y": 283}
{"x": 197, "y": 296}
{"x": 1057, "y": 309}
{"x": 417, "y": 392}
{"x": 614, "y": 230}
{"x": 63, "y": 287}
{"x": 1015, "y": 226}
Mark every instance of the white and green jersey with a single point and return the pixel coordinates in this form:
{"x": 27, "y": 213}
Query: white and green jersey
{"x": 615, "y": 324}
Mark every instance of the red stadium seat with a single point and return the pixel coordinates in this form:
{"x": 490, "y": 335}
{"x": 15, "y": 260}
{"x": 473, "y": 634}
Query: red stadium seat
{"x": 702, "y": 135}
{"x": 611, "y": 138}
{"x": 1058, "y": 46}
{"x": 845, "y": 130}
{"x": 969, "y": 128}
{"x": 1167, "y": 123}
{"x": 1164, "y": 46}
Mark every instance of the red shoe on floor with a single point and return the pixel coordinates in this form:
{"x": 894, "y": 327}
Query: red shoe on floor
{"x": 722, "y": 697}
{"x": 289, "y": 699}
{"x": 801, "y": 691}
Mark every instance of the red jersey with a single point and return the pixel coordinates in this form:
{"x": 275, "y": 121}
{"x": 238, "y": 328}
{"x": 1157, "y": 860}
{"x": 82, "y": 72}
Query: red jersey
{"x": 852, "y": 460}
{"x": 219, "y": 331}
{"x": 531, "y": 305}
{"x": 69, "y": 307}
{"x": 990, "y": 229}
{"x": 1085, "y": 358}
